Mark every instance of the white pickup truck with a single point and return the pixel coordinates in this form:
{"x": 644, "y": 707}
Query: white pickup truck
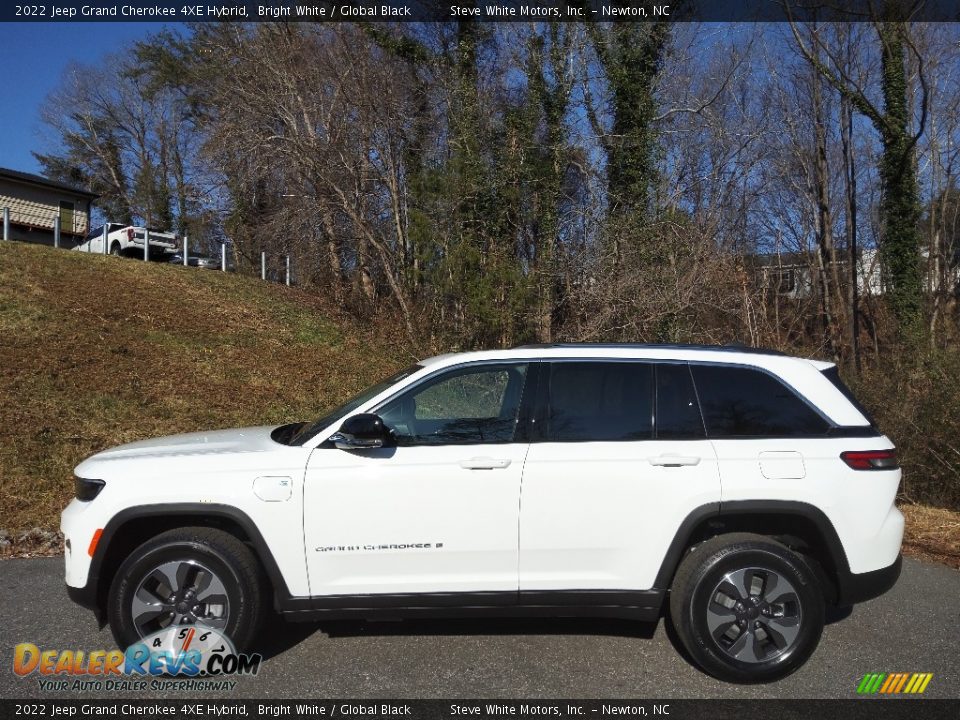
{"x": 129, "y": 240}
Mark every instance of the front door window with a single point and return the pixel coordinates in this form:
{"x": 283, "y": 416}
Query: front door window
{"x": 470, "y": 406}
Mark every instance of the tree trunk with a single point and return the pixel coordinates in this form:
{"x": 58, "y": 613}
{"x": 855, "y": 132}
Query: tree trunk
{"x": 900, "y": 203}
{"x": 826, "y": 256}
{"x": 850, "y": 183}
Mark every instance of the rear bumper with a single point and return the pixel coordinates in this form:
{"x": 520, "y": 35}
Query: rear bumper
{"x": 859, "y": 587}
{"x": 165, "y": 244}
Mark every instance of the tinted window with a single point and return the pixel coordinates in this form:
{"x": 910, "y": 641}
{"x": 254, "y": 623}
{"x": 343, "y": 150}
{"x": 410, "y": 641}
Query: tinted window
{"x": 742, "y": 402}
{"x": 678, "y": 414}
{"x": 599, "y": 401}
{"x": 833, "y": 375}
{"x": 466, "y": 406}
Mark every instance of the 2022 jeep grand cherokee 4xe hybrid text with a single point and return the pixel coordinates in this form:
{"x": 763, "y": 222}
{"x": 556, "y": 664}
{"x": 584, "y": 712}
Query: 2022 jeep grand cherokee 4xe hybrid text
{"x": 739, "y": 491}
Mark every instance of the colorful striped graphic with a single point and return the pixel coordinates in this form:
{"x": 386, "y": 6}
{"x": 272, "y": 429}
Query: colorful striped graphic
{"x": 894, "y": 683}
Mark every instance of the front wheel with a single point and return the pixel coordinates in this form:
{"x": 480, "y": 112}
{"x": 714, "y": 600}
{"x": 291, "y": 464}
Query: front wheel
{"x": 188, "y": 576}
{"x": 747, "y": 608}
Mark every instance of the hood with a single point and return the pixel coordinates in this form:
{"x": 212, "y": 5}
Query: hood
{"x": 238, "y": 440}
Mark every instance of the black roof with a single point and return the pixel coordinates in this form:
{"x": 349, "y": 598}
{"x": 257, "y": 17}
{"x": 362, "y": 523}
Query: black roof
{"x": 733, "y": 347}
{"x": 46, "y": 182}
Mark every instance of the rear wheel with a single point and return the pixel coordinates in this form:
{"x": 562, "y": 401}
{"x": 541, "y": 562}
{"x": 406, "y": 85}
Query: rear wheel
{"x": 115, "y": 248}
{"x": 747, "y": 608}
{"x": 188, "y": 576}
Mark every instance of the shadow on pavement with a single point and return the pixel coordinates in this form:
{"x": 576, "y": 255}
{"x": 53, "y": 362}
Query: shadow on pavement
{"x": 281, "y": 636}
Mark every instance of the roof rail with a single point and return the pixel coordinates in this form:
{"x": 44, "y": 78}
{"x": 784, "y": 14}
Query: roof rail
{"x": 732, "y": 347}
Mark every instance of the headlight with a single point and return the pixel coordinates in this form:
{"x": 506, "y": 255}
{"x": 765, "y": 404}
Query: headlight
{"x": 87, "y": 490}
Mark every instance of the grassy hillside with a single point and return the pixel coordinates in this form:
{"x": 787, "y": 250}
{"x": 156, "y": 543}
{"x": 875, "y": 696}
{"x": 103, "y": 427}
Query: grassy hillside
{"x": 95, "y": 351}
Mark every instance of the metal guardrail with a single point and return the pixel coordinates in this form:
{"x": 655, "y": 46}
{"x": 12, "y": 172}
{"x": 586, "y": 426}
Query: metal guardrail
{"x": 185, "y": 251}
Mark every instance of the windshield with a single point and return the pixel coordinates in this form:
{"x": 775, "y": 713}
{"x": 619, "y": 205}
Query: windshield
{"x": 330, "y": 416}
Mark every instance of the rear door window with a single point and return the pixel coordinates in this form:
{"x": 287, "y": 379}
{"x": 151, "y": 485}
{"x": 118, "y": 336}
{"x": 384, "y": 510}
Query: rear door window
{"x": 678, "y": 413}
{"x": 599, "y": 401}
{"x": 746, "y": 402}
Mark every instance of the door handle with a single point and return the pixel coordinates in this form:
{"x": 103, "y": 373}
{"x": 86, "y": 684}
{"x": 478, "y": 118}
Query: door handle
{"x": 485, "y": 463}
{"x": 674, "y": 460}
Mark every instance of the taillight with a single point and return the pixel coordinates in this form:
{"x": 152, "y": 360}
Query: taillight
{"x": 870, "y": 459}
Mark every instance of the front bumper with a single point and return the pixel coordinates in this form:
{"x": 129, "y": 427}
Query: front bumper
{"x": 85, "y": 597}
{"x": 88, "y": 597}
{"x": 78, "y": 523}
{"x": 858, "y": 587}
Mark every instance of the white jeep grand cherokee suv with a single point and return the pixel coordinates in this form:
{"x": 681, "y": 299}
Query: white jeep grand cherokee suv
{"x": 741, "y": 490}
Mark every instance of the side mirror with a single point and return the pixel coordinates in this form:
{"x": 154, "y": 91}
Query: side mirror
{"x": 361, "y": 432}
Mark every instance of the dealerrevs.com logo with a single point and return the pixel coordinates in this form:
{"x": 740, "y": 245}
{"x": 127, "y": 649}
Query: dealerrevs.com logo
{"x": 894, "y": 683}
{"x": 196, "y": 657}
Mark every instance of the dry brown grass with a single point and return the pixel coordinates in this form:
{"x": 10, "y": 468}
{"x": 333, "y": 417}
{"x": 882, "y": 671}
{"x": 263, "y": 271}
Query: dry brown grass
{"x": 97, "y": 351}
{"x": 932, "y": 534}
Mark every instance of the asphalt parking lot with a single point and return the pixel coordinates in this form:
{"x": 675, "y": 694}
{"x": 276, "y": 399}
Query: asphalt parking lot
{"x": 914, "y": 628}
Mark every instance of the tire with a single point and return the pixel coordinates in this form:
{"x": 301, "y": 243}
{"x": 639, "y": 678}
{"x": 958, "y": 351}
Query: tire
{"x": 747, "y": 608}
{"x": 115, "y": 249}
{"x": 222, "y": 571}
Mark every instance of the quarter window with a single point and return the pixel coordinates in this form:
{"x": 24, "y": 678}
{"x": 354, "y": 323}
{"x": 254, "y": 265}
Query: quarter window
{"x": 462, "y": 407}
{"x": 678, "y": 414}
{"x": 600, "y": 401}
{"x": 743, "y": 402}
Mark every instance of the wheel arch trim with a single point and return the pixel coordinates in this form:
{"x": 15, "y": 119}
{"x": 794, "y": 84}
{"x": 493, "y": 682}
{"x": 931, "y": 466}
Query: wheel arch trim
{"x": 90, "y": 596}
{"x": 721, "y": 511}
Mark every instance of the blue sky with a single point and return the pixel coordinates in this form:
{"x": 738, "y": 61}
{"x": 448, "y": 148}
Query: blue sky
{"x": 33, "y": 56}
